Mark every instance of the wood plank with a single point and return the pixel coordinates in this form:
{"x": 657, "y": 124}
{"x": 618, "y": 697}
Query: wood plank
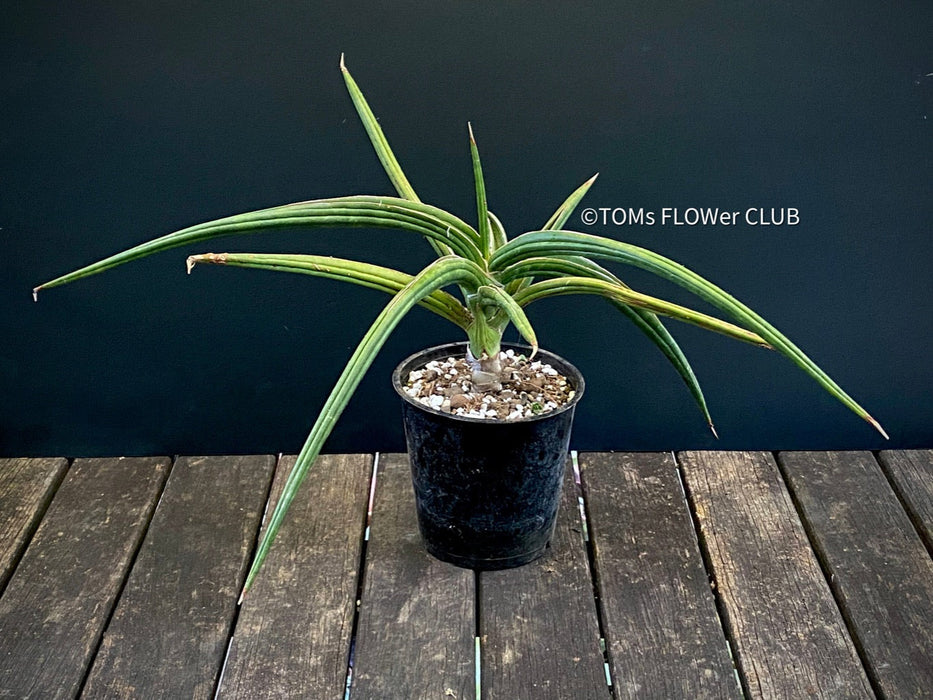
{"x": 911, "y": 472}
{"x": 58, "y": 600}
{"x": 292, "y": 637}
{"x": 790, "y": 639}
{"x": 538, "y": 625}
{"x": 26, "y": 488}
{"x": 662, "y": 631}
{"x": 169, "y": 631}
{"x": 879, "y": 569}
{"x": 415, "y": 637}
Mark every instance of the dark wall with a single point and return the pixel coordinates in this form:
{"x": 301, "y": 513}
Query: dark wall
{"x": 122, "y": 121}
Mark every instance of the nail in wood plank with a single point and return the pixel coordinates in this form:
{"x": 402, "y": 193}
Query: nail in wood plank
{"x": 662, "y": 630}
{"x": 169, "y": 631}
{"x": 790, "y": 638}
{"x": 58, "y": 600}
{"x": 912, "y": 474}
{"x": 292, "y": 637}
{"x": 26, "y": 487}
{"x": 538, "y": 623}
{"x": 880, "y": 571}
{"x": 416, "y": 628}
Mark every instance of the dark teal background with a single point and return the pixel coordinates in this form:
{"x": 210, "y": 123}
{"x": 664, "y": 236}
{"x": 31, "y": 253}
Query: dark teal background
{"x": 123, "y": 121}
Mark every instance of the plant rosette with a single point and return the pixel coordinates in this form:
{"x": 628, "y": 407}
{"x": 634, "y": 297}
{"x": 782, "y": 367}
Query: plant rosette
{"x": 492, "y": 278}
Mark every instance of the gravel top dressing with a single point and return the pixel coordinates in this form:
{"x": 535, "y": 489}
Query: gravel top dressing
{"x": 528, "y": 388}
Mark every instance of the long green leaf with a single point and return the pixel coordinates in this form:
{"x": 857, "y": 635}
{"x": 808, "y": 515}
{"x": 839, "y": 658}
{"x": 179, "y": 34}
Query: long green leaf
{"x": 440, "y": 273}
{"x": 559, "y": 217}
{"x": 356, "y": 211}
{"x": 561, "y": 286}
{"x": 646, "y": 321}
{"x": 485, "y": 231}
{"x": 557, "y": 220}
{"x": 377, "y": 137}
{"x": 546, "y": 243}
{"x": 427, "y": 214}
{"x": 650, "y": 325}
{"x": 365, "y": 274}
{"x": 381, "y": 145}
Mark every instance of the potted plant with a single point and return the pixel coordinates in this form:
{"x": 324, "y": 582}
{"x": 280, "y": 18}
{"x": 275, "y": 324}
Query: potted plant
{"x": 496, "y": 278}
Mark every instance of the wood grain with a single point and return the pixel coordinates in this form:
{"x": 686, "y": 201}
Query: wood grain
{"x": 169, "y": 631}
{"x": 796, "y": 594}
{"x": 538, "y": 623}
{"x": 292, "y": 637}
{"x": 880, "y": 570}
{"x": 416, "y": 627}
{"x": 26, "y": 487}
{"x": 58, "y": 600}
{"x": 789, "y": 636}
{"x": 911, "y": 473}
{"x": 663, "y": 634}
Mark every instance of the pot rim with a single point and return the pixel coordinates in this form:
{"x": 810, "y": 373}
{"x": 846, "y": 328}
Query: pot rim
{"x": 566, "y": 368}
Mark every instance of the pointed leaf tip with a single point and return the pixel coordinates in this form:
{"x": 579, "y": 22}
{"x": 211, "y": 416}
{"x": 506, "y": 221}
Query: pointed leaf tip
{"x": 343, "y": 66}
{"x": 712, "y": 429}
{"x": 877, "y": 426}
{"x": 470, "y": 129}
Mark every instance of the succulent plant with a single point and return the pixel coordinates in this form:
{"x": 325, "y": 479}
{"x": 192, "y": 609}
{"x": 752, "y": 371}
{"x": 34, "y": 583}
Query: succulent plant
{"x": 496, "y": 279}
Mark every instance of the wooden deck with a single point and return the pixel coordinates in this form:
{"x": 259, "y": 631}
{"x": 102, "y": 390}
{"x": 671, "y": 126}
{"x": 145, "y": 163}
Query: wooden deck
{"x": 695, "y": 575}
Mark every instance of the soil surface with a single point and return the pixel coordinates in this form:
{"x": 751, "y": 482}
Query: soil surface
{"x": 529, "y": 388}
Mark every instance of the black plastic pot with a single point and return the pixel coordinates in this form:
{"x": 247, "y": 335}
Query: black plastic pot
{"x": 486, "y": 491}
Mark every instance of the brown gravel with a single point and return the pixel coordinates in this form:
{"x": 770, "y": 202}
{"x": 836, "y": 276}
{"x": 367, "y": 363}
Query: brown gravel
{"x": 528, "y": 388}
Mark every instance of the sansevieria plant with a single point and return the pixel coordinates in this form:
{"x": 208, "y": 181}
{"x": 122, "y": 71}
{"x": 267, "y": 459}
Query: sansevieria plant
{"x": 495, "y": 278}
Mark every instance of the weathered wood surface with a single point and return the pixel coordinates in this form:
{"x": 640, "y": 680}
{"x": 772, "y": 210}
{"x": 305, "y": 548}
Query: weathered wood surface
{"x": 663, "y": 634}
{"x": 417, "y": 624}
{"x": 790, "y": 640}
{"x": 58, "y": 599}
{"x": 26, "y": 487}
{"x": 538, "y": 626}
{"x": 169, "y": 632}
{"x": 110, "y": 596}
{"x": 292, "y": 638}
{"x": 911, "y": 473}
{"x": 880, "y": 570}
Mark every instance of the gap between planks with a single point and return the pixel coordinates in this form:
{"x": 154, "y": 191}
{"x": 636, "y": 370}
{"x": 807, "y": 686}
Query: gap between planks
{"x": 360, "y": 575}
{"x": 583, "y": 513}
{"x": 708, "y": 564}
{"x": 875, "y": 560}
{"x": 788, "y": 633}
{"x": 24, "y": 511}
{"x": 703, "y": 548}
{"x": 294, "y": 629}
{"x": 69, "y": 557}
{"x": 126, "y": 577}
{"x": 910, "y": 474}
{"x": 663, "y": 634}
{"x": 255, "y": 545}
